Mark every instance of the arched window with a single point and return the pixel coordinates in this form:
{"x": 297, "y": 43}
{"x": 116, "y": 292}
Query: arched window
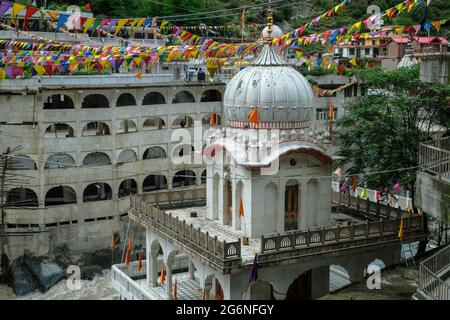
{"x": 183, "y": 97}
{"x": 126, "y": 126}
{"x": 59, "y": 161}
{"x": 21, "y": 197}
{"x": 96, "y": 128}
{"x": 58, "y": 101}
{"x": 95, "y": 101}
{"x": 127, "y": 155}
{"x": 153, "y": 98}
{"x": 59, "y": 196}
{"x": 97, "y": 192}
{"x": 211, "y": 96}
{"x": 206, "y": 120}
{"x": 183, "y": 122}
{"x": 154, "y": 123}
{"x": 182, "y": 150}
{"x": 126, "y": 100}
{"x": 20, "y": 162}
{"x": 59, "y": 130}
{"x": 127, "y": 187}
{"x": 183, "y": 178}
{"x": 203, "y": 179}
{"x": 96, "y": 159}
{"x": 154, "y": 153}
{"x": 154, "y": 182}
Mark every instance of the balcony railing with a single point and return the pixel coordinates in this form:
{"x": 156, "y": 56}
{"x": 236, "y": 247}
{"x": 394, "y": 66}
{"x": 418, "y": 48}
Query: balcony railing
{"x": 434, "y": 157}
{"x": 431, "y": 272}
{"x": 185, "y": 234}
{"x": 335, "y": 234}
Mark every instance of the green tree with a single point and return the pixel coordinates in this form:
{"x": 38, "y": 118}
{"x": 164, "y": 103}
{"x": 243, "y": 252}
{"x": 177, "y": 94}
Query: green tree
{"x": 384, "y": 129}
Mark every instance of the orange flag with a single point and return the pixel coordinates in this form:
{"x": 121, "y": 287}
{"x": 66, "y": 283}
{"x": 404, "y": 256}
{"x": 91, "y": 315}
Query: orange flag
{"x": 139, "y": 75}
{"x": 253, "y": 116}
{"x": 163, "y": 276}
{"x": 212, "y": 121}
{"x": 175, "y": 293}
{"x": 129, "y": 245}
{"x": 331, "y": 112}
{"x": 241, "y": 209}
{"x": 113, "y": 241}
{"x": 400, "y": 230}
{"x": 127, "y": 258}
{"x": 355, "y": 183}
{"x": 140, "y": 261}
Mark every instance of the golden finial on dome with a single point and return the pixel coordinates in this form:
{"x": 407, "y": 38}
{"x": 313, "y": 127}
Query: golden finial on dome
{"x": 269, "y": 23}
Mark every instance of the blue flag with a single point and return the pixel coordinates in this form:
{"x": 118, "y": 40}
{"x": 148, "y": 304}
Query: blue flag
{"x": 254, "y": 272}
{"x": 62, "y": 19}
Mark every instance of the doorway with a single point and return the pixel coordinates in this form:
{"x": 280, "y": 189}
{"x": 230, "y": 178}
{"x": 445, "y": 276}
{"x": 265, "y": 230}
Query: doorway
{"x": 300, "y": 288}
{"x": 291, "y": 208}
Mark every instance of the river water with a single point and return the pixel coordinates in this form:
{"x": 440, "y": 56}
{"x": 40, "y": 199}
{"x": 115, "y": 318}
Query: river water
{"x": 398, "y": 283}
{"x": 98, "y": 289}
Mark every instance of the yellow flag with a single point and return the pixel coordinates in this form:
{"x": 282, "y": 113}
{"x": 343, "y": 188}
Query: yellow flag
{"x": 40, "y": 70}
{"x": 399, "y": 30}
{"x": 53, "y": 15}
{"x": 163, "y": 24}
{"x": 17, "y": 7}
{"x": 2, "y": 74}
{"x": 88, "y": 24}
{"x": 298, "y": 55}
{"x": 353, "y": 61}
{"x": 120, "y": 25}
{"x": 140, "y": 23}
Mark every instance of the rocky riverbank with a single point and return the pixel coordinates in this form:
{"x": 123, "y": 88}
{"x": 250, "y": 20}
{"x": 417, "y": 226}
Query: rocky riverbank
{"x": 30, "y": 276}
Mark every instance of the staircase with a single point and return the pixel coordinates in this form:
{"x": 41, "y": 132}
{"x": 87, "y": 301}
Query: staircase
{"x": 434, "y": 277}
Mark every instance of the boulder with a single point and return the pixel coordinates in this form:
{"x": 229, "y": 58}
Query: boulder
{"x": 91, "y": 272}
{"x": 46, "y": 272}
{"x": 21, "y": 280}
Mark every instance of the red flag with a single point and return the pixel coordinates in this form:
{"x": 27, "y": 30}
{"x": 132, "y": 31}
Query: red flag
{"x": 355, "y": 183}
{"x": 139, "y": 75}
{"x": 88, "y": 7}
{"x": 28, "y": 13}
{"x": 139, "y": 261}
{"x": 175, "y": 293}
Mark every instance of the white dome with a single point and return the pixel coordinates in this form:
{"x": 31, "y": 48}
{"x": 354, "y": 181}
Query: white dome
{"x": 283, "y": 96}
{"x": 276, "y": 32}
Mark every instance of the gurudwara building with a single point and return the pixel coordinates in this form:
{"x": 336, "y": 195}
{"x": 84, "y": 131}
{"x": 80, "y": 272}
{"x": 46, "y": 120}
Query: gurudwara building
{"x": 267, "y": 225}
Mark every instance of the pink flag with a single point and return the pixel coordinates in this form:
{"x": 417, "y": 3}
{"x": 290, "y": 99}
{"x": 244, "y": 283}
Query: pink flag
{"x": 397, "y": 186}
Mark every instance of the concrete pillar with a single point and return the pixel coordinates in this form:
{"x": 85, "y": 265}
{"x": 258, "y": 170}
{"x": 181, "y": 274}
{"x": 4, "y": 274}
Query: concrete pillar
{"x": 149, "y": 257}
{"x": 191, "y": 270}
{"x": 235, "y": 207}
{"x": 169, "y": 285}
{"x": 154, "y": 270}
{"x": 221, "y": 205}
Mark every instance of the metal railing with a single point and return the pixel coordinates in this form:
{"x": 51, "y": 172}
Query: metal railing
{"x": 434, "y": 157}
{"x": 431, "y": 272}
{"x": 370, "y": 207}
{"x": 185, "y": 233}
{"x": 335, "y": 234}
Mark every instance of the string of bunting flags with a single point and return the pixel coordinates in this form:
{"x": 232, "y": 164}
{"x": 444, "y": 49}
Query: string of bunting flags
{"x": 355, "y": 30}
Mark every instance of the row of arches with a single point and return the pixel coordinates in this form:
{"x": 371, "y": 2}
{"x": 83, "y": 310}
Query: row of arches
{"x": 100, "y": 191}
{"x": 100, "y": 128}
{"x": 64, "y": 160}
{"x": 94, "y": 101}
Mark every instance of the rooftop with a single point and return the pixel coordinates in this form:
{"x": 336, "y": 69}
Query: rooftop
{"x": 96, "y": 81}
